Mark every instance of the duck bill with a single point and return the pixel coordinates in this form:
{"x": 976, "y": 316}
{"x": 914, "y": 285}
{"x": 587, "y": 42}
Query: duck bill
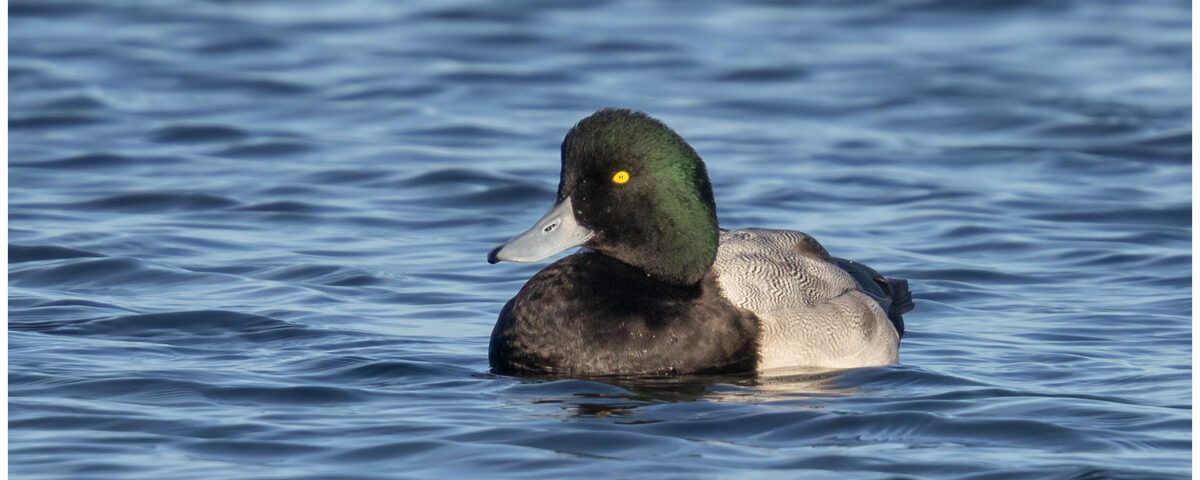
{"x": 556, "y": 231}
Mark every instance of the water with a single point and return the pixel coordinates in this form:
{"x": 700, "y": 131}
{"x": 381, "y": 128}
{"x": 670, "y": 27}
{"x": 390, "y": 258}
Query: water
{"x": 247, "y": 239}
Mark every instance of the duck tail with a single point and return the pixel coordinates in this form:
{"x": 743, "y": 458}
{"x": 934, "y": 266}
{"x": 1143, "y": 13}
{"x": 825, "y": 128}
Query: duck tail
{"x": 901, "y": 302}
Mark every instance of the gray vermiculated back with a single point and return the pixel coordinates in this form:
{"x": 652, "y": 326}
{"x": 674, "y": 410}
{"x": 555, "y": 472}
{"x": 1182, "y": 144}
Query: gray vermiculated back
{"x": 812, "y": 311}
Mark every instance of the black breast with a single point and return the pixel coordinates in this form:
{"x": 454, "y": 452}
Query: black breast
{"x": 590, "y": 315}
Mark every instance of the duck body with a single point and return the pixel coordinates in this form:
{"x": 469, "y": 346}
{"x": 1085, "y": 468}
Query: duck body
{"x": 663, "y": 289}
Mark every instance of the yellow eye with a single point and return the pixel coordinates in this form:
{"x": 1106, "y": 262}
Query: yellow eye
{"x": 621, "y": 177}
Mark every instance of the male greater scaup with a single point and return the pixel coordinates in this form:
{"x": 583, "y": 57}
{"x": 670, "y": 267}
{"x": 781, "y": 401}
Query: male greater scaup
{"x": 664, "y": 290}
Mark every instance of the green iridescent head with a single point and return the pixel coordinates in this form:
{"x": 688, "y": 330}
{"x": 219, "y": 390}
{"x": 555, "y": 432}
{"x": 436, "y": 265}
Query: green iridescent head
{"x": 643, "y": 191}
{"x": 633, "y": 189}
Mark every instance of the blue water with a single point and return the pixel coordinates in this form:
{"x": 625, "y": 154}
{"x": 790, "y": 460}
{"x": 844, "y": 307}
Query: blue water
{"x": 247, "y": 239}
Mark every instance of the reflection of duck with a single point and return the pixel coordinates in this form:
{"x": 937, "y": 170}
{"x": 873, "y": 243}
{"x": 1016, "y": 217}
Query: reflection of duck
{"x": 665, "y": 291}
{"x": 623, "y": 396}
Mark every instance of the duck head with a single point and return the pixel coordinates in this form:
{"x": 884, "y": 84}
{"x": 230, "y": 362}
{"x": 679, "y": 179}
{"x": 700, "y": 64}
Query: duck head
{"x": 632, "y": 189}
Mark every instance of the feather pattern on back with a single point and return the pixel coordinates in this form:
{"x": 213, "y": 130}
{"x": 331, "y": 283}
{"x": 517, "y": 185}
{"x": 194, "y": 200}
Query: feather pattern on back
{"x": 813, "y": 311}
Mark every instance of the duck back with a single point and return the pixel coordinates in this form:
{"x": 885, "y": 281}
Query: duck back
{"x": 812, "y": 311}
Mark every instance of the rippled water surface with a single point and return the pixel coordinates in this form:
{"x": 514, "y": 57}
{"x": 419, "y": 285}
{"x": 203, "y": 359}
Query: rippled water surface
{"x": 247, "y": 239}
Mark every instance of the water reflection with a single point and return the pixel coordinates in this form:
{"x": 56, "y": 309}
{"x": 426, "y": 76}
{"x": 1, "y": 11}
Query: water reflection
{"x": 622, "y": 395}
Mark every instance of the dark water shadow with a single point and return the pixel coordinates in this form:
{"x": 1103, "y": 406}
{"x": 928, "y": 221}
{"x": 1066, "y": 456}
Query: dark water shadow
{"x": 603, "y": 396}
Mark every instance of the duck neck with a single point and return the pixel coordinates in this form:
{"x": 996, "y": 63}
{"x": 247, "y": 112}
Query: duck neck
{"x": 683, "y": 261}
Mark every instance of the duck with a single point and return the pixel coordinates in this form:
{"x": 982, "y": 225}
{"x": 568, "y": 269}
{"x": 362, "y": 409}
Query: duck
{"x": 660, "y": 289}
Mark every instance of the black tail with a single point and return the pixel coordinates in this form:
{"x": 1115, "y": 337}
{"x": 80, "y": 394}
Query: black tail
{"x": 902, "y": 301}
{"x": 891, "y": 293}
{"x": 901, "y": 298}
